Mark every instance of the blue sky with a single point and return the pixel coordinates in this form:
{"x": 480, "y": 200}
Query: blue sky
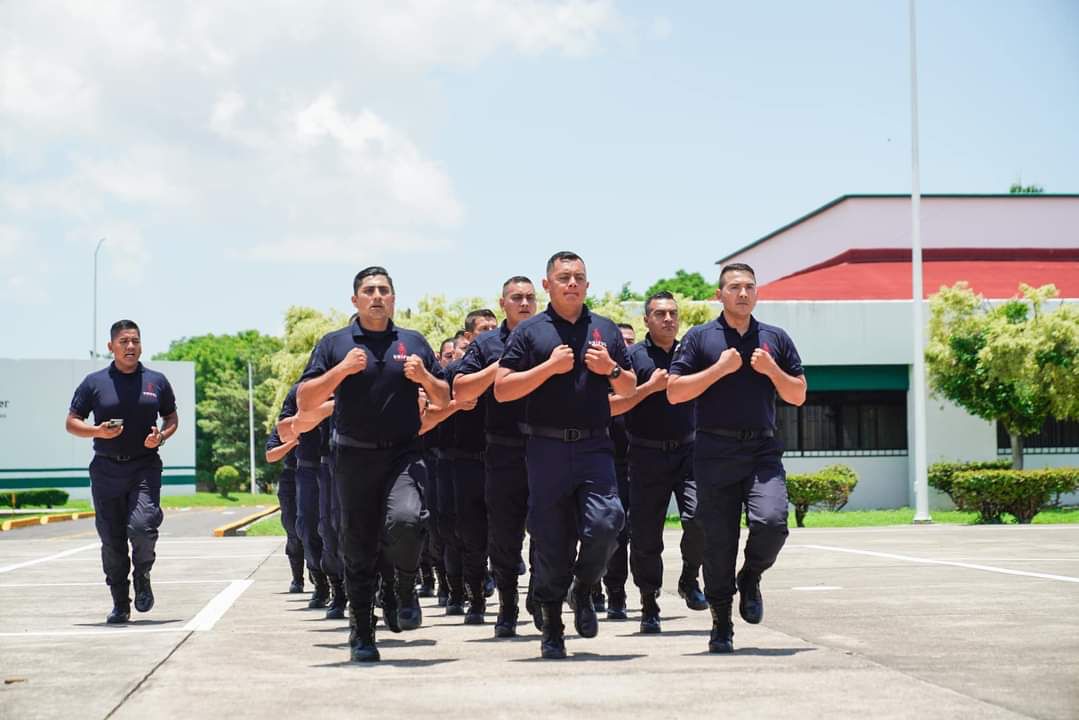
{"x": 243, "y": 158}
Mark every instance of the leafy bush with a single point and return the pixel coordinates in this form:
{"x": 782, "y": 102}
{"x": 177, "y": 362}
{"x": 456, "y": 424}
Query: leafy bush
{"x": 33, "y": 498}
{"x": 941, "y": 473}
{"x": 829, "y": 487}
{"x": 1023, "y": 493}
{"x": 227, "y": 479}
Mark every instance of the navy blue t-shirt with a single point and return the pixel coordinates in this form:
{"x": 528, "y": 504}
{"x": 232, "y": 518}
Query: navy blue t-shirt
{"x": 655, "y": 418}
{"x": 137, "y": 397}
{"x": 501, "y": 418}
{"x": 468, "y": 431}
{"x": 745, "y": 399}
{"x": 579, "y": 398}
{"x": 379, "y": 404}
{"x": 274, "y": 440}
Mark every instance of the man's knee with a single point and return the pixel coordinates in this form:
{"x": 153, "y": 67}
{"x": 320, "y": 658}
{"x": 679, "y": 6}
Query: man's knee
{"x": 605, "y": 521}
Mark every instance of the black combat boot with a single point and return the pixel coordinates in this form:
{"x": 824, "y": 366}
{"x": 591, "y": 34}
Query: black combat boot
{"x": 599, "y": 601}
{"x": 532, "y": 607}
{"x": 427, "y": 582}
{"x": 443, "y": 593}
{"x": 144, "y": 593}
{"x": 361, "y": 637}
{"x": 488, "y": 584}
{"x": 650, "y": 614}
{"x": 388, "y": 593}
{"x": 616, "y": 605}
{"x": 455, "y": 603}
{"x": 750, "y": 602}
{"x": 296, "y": 586}
{"x": 338, "y": 599}
{"x": 121, "y": 605}
{"x": 690, "y": 591}
{"x": 477, "y": 602}
{"x": 321, "y": 597}
{"x": 584, "y": 614}
{"x": 722, "y": 637}
{"x": 553, "y": 644}
{"x": 506, "y": 624}
{"x": 409, "y": 613}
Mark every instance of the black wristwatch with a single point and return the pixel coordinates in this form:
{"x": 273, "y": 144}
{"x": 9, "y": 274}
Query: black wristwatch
{"x": 615, "y": 373}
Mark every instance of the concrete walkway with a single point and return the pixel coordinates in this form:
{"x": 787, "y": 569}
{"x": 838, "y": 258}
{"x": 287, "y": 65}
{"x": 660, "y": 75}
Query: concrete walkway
{"x": 941, "y": 622}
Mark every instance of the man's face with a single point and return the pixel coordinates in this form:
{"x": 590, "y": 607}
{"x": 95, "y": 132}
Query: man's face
{"x": 567, "y": 283}
{"x": 518, "y": 301}
{"x": 459, "y": 347}
{"x": 126, "y": 348}
{"x": 629, "y": 335}
{"x": 374, "y": 299}
{"x": 662, "y": 319}
{"x": 445, "y": 355}
{"x": 738, "y": 294}
{"x": 480, "y": 326}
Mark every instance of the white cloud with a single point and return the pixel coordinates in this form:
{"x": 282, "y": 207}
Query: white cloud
{"x": 22, "y": 271}
{"x": 125, "y": 253}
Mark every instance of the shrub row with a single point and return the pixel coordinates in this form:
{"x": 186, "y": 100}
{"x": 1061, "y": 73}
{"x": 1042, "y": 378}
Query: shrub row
{"x": 33, "y": 498}
{"x": 1023, "y": 493}
{"x": 830, "y": 488}
{"x": 941, "y": 473}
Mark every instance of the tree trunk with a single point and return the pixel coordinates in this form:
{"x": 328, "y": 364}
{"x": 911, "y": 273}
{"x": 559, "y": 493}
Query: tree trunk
{"x": 1017, "y": 451}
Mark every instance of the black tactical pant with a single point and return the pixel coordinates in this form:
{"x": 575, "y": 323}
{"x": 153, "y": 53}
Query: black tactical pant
{"x": 127, "y": 503}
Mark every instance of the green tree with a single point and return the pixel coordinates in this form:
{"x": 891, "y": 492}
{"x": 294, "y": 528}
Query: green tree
{"x": 1012, "y": 362}
{"x": 1018, "y": 188}
{"x": 690, "y": 285}
{"x": 221, "y": 432}
{"x": 304, "y": 327}
{"x": 227, "y": 479}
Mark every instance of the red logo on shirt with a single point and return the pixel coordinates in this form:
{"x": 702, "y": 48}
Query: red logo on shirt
{"x": 597, "y": 339}
{"x": 402, "y": 352}
{"x": 149, "y": 390}
{"x": 767, "y": 349}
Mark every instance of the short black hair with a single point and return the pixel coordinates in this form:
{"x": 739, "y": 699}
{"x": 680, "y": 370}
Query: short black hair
{"x": 660, "y": 295}
{"x": 626, "y": 326}
{"x": 120, "y": 325}
{"x": 562, "y": 255}
{"x": 458, "y": 335}
{"x": 736, "y": 267}
{"x": 443, "y": 345}
{"x": 515, "y": 279}
{"x": 369, "y": 272}
{"x": 474, "y": 316}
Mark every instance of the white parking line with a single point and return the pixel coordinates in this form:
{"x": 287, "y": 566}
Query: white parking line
{"x": 209, "y": 615}
{"x": 47, "y": 558}
{"x": 928, "y": 561}
{"x": 99, "y": 583}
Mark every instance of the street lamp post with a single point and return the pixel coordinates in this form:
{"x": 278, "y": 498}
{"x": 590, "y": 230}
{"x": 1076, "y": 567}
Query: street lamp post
{"x": 93, "y": 347}
{"x": 251, "y": 424}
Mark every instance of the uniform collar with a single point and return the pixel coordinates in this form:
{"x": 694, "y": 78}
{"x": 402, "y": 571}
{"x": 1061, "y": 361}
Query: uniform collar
{"x": 585, "y": 315}
{"x": 723, "y": 324}
{"x": 358, "y": 331}
{"x": 113, "y": 370}
{"x": 504, "y": 331}
{"x": 648, "y": 343}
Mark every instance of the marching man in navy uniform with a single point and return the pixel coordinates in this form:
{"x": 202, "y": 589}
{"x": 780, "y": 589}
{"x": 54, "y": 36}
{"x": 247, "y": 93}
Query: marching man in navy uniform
{"x": 564, "y": 361}
{"x": 375, "y": 369}
{"x": 125, "y": 474}
{"x": 734, "y": 367}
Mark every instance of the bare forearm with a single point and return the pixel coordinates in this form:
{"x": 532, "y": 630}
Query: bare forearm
{"x": 170, "y": 426}
{"x": 620, "y": 404}
{"x": 792, "y": 389}
{"x": 625, "y": 384}
{"x": 316, "y": 391}
{"x": 438, "y": 391}
{"x": 510, "y": 385}
{"x": 470, "y": 387}
{"x": 683, "y": 388}
{"x": 79, "y": 427}
{"x": 275, "y": 454}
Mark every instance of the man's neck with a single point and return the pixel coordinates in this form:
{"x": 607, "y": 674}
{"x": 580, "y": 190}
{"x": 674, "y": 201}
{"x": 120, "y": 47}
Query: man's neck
{"x": 666, "y": 345}
{"x": 740, "y": 324}
{"x": 125, "y": 370}
{"x": 570, "y": 314}
{"x": 376, "y": 325}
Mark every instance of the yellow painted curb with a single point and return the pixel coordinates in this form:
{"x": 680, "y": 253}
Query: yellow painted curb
{"x": 232, "y": 527}
{"x": 43, "y": 520}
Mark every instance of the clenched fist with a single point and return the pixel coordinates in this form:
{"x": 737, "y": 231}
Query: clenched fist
{"x": 599, "y": 360}
{"x": 562, "y": 359}
{"x": 414, "y": 369}
{"x": 763, "y": 362}
{"x": 729, "y": 361}
{"x": 355, "y": 361}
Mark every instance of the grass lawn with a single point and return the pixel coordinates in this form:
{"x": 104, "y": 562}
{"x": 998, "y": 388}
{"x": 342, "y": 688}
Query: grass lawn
{"x": 270, "y": 525}
{"x": 905, "y": 516}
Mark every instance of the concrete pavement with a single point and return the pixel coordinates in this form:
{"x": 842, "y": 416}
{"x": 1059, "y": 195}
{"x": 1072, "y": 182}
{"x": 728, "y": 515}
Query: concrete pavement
{"x": 928, "y": 621}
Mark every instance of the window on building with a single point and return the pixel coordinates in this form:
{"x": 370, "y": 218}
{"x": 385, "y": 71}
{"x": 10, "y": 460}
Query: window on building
{"x": 845, "y": 423}
{"x": 1055, "y": 437}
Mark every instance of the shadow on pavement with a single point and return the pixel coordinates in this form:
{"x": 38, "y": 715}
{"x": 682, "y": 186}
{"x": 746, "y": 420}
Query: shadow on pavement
{"x": 130, "y": 623}
{"x": 757, "y": 652}
{"x": 584, "y": 657}
{"x": 392, "y": 663}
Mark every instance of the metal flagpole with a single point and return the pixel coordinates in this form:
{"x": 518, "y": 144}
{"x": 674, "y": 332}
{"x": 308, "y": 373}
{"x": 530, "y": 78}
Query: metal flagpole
{"x": 917, "y": 386}
{"x": 251, "y": 424}
{"x": 93, "y": 347}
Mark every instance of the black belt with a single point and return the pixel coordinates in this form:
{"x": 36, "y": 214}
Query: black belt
{"x": 563, "y": 434}
{"x": 505, "y": 440}
{"x": 125, "y": 458}
{"x": 455, "y": 454}
{"x": 737, "y": 434}
{"x": 308, "y": 463}
{"x": 662, "y": 444}
{"x": 346, "y": 441}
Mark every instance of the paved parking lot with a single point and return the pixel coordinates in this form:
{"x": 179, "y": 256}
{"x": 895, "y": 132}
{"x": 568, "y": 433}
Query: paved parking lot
{"x": 978, "y": 622}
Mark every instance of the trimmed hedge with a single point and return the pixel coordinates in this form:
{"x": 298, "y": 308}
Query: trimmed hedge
{"x": 33, "y": 498}
{"x": 227, "y": 479}
{"x": 1023, "y": 493}
{"x": 941, "y": 473}
{"x": 830, "y": 487}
